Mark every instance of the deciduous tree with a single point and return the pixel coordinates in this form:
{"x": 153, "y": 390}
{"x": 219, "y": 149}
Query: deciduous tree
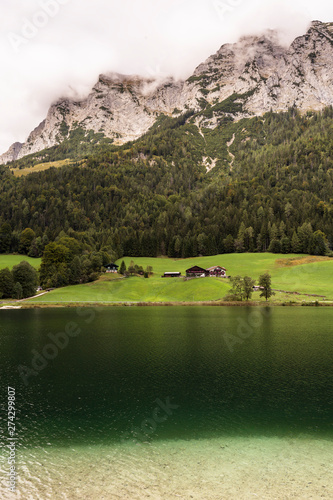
{"x": 247, "y": 287}
{"x": 265, "y": 284}
{"x": 26, "y": 238}
{"x": 6, "y": 283}
{"x": 27, "y": 277}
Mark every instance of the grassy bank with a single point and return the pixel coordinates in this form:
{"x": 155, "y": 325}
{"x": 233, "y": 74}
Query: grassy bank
{"x": 138, "y": 289}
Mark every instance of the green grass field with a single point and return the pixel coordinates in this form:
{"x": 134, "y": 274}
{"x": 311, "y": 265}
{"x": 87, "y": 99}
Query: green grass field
{"x": 295, "y": 273}
{"x": 137, "y": 289}
{"x": 12, "y": 260}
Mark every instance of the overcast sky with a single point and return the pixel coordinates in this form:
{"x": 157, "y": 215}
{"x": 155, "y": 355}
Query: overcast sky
{"x": 53, "y": 48}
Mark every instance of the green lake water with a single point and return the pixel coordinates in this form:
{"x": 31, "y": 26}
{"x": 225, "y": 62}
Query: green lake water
{"x": 160, "y": 390}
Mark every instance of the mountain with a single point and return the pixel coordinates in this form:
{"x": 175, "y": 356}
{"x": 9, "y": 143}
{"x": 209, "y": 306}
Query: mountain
{"x": 253, "y": 76}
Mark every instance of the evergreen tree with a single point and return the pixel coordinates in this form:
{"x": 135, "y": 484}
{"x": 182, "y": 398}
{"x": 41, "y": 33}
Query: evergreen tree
{"x": 5, "y": 238}
{"x": 249, "y": 239}
{"x": 282, "y": 229}
{"x": 285, "y": 245}
{"x": 178, "y": 246}
{"x": 228, "y": 243}
{"x": 319, "y": 243}
{"x": 239, "y": 242}
{"x": 131, "y": 268}
{"x": 122, "y": 268}
{"x": 202, "y": 242}
{"x": 75, "y": 270}
{"x": 273, "y": 233}
{"x": 275, "y": 246}
{"x": 305, "y": 233}
{"x": 295, "y": 243}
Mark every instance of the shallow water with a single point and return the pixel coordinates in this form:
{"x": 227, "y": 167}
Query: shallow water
{"x": 170, "y": 402}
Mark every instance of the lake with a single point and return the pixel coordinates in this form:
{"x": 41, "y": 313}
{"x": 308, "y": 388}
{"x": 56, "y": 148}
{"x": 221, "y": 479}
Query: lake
{"x": 169, "y": 402}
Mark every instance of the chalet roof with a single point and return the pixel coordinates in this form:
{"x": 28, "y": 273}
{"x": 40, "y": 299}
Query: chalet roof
{"x": 195, "y": 269}
{"x": 111, "y": 265}
{"x": 215, "y": 267}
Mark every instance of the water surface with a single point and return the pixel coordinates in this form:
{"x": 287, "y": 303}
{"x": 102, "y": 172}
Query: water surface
{"x": 210, "y": 391}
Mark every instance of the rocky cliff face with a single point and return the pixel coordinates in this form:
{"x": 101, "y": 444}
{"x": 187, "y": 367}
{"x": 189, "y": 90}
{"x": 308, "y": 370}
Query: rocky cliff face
{"x": 244, "y": 79}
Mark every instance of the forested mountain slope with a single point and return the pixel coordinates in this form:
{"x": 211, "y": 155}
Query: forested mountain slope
{"x": 252, "y": 185}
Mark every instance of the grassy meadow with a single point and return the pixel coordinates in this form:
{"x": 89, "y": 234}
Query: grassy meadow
{"x": 252, "y": 264}
{"x": 12, "y": 260}
{"x": 138, "y": 289}
{"x": 292, "y": 273}
{"x": 40, "y": 167}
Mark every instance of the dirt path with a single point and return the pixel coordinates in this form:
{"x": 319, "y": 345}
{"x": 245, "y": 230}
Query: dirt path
{"x": 34, "y": 297}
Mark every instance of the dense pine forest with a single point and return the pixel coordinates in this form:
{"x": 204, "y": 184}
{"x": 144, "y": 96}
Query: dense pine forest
{"x": 271, "y": 189}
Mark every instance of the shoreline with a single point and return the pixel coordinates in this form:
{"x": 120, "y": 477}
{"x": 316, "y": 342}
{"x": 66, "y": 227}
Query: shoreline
{"x": 165, "y": 304}
{"x": 237, "y": 468}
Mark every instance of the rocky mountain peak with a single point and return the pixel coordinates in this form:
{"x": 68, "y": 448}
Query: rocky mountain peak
{"x": 247, "y": 78}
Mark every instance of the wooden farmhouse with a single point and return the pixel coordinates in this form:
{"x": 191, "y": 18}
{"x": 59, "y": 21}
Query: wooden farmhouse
{"x": 196, "y": 272}
{"x": 200, "y": 272}
{"x": 111, "y": 268}
{"x": 217, "y": 271}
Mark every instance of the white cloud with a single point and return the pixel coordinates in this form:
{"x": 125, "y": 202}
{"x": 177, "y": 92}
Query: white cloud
{"x": 65, "y": 44}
